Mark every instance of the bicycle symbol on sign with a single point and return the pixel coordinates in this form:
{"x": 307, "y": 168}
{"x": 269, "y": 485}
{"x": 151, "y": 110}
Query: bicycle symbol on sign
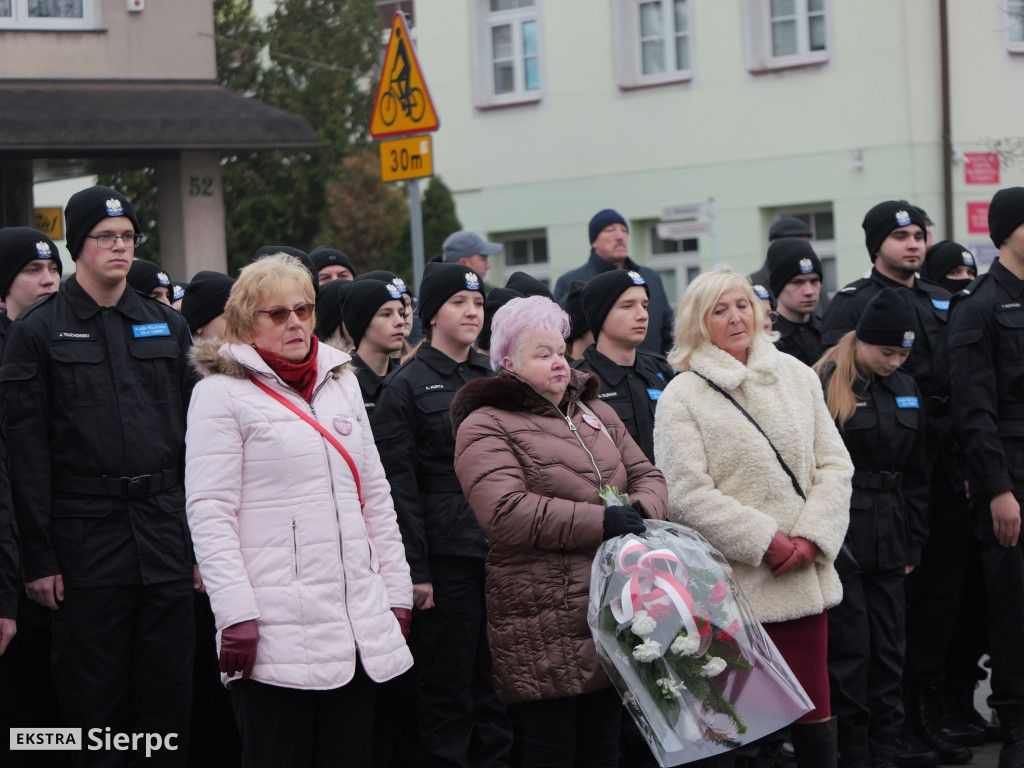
{"x": 399, "y": 94}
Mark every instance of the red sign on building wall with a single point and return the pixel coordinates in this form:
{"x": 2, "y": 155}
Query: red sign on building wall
{"x": 981, "y": 168}
{"x": 977, "y": 218}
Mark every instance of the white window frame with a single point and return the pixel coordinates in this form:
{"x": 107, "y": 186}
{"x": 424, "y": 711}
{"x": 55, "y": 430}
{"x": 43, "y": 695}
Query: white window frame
{"x": 826, "y": 249}
{"x": 483, "y": 21}
{"x": 629, "y": 48}
{"x": 541, "y": 271}
{"x": 1014, "y": 17}
{"x": 681, "y": 262}
{"x": 758, "y": 32}
{"x": 19, "y": 18}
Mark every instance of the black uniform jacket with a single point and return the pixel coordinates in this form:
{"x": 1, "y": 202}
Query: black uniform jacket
{"x": 92, "y": 397}
{"x": 370, "y": 384}
{"x": 413, "y": 430}
{"x": 9, "y": 564}
{"x": 986, "y": 339}
{"x": 886, "y": 441}
{"x": 928, "y": 363}
{"x": 631, "y": 391}
{"x": 801, "y": 340}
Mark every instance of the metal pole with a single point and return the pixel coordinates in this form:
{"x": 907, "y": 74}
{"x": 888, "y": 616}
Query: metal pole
{"x": 714, "y": 232}
{"x": 416, "y": 230}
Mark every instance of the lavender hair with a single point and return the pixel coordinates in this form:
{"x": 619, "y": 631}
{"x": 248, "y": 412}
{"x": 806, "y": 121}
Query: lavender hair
{"x": 520, "y": 317}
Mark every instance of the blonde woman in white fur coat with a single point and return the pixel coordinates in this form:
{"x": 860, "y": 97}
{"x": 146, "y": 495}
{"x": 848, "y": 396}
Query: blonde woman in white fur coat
{"x": 726, "y": 482}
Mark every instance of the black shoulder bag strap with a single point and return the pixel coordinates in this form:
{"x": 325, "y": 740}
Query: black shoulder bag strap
{"x": 731, "y": 399}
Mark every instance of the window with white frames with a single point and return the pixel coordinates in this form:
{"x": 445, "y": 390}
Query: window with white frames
{"x": 787, "y": 33}
{"x": 524, "y": 252}
{"x": 820, "y": 219}
{"x": 653, "y": 41}
{"x": 677, "y": 262}
{"x": 48, "y": 14}
{"x": 1015, "y": 26}
{"x": 507, "y": 51}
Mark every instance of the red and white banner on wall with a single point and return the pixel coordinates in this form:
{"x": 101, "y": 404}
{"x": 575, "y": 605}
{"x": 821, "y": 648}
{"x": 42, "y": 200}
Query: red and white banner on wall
{"x": 981, "y": 168}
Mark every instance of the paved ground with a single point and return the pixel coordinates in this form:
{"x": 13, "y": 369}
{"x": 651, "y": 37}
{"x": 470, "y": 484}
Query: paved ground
{"x": 988, "y": 755}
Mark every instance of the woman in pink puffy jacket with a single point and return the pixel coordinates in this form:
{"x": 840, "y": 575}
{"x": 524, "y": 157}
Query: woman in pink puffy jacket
{"x": 311, "y": 593}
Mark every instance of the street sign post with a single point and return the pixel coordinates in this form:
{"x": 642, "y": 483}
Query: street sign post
{"x": 406, "y": 159}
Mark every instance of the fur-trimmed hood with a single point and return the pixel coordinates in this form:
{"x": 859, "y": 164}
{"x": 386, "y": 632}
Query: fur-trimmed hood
{"x": 213, "y": 357}
{"x": 513, "y": 393}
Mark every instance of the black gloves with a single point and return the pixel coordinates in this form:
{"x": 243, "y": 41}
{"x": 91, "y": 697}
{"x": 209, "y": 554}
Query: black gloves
{"x": 622, "y": 520}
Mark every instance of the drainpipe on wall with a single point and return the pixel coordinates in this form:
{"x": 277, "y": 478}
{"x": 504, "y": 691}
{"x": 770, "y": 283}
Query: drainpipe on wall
{"x": 947, "y": 138}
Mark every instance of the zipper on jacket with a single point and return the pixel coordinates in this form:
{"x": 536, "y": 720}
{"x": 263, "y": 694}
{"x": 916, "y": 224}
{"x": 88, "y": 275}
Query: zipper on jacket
{"x": 572, "y": 428}
{"x": 295, "y": 546}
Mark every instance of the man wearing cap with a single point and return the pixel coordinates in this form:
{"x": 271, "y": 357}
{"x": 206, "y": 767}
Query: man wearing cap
{"x": 471, "y": 250}
{"x": 609, "y": 249}
{"x": 374, "y": 317}
{"x": 794, "y": 274}
{"x": 94, "y": 388}
{"x": 30, "y": 270}
{"x": 783, "y": 228}
{"x": 616, "y": 305}
{"x": 895, "y": 239}
{"x": 949, "y": 264}
{"x": 987, "y": 348}
{"x": 580, "y": 336}
{"x": 150, "y": 280}
{"x": 204, "y": 302}
{"x": 331, "y": 264}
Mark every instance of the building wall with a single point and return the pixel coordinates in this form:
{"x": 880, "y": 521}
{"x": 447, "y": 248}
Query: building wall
{"x": 863, "y": 127}
{"x": 169, "y": 40}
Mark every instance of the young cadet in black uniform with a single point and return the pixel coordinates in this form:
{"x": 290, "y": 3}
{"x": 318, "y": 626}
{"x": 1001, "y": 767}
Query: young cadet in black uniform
{"x": 949, "y": 264}
{"x": 794, "y": 273}
{"x": 30, "y": 270}
{"x": 987, "y": 348}
{"x": 151, "y": 280}
{"x": 877, "y": 409}
{"x": 461, "y": 721}
{"x": 615, "y": 304}
{"x": 374, "y": 317}
{"x": 330, "y": 305}
{"x": 94, "y": 388}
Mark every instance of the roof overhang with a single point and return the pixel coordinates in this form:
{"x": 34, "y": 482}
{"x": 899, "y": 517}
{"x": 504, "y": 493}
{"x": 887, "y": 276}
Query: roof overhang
{"x": 97, "y": 119}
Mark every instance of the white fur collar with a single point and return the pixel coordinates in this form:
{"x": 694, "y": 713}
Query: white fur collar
{"x": 728, "y": 372}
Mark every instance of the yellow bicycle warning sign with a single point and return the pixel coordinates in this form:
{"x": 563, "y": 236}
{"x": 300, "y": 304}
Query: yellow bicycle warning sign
{"x": 403, "y": 104}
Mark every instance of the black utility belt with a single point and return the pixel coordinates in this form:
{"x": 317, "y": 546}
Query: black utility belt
{"x": 119, "y": 487}
{"x": 877, "y": 481}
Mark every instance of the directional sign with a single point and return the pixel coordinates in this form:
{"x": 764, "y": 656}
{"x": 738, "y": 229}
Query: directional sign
{"x": 406, "y": 159}
{"x": 403, "y": 104}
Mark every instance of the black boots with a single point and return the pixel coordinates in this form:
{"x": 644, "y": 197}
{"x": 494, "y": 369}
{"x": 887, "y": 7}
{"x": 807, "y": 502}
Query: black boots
{"x": 924, "y": 714}
{"x": 853, "y": 746}
{"x": 815, "y": 744}
{"x": 1011, "y": 721}
{"x": 961, "y": 696}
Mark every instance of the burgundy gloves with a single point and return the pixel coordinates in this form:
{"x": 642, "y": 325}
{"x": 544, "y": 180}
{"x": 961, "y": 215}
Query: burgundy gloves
{"x": 777, "y": 552}
{"x": 404, "y": 616}
{"x": 803, "y": 555}
{"x": 238, "y": 648}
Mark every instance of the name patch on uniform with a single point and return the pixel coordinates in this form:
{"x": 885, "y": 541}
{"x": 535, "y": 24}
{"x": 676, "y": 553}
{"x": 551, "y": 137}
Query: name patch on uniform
{"x": 606, "y": 395}
{"x": 654, "y": 394}
{"x": 150, "y": 329}
{"x": 940, "y": 304}
{"x": 862, "y": 403}
{"x": 72, "y": 335}
{"x": 1010, "y": 305}
{"x": 431, "y": 387}
{"x": 906, "y": 402}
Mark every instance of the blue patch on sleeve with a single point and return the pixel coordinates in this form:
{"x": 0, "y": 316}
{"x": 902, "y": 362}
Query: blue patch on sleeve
{"x": 661, "y": 375}
{"x": 654, "y": 394}
{"x": 906, "y": 402}
{"x": 939, "y": 304}
{"x": 152, "y": 329}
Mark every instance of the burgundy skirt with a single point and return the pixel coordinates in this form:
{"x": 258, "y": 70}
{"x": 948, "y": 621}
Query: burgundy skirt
{"x": 803, "y": 643}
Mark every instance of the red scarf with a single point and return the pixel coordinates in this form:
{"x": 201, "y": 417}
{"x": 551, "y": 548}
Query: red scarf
{"x": 299, "y": 376}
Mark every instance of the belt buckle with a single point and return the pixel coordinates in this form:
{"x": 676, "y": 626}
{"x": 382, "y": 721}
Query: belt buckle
{"x": 134, "y": 487}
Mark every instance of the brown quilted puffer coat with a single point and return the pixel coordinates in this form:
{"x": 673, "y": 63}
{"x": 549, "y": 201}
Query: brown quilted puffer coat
{"x": 533, "y": 487}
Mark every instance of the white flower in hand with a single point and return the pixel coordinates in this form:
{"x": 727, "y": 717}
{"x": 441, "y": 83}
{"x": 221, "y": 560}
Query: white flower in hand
{"x": 685, "y": 645}
{"x": 714, "y": 667}
{"x": 648, "y": 650}
{"x": 643, "y": 624}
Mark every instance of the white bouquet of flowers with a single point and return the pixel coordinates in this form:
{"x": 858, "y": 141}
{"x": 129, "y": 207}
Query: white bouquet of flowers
{"x": 696, "y": 670}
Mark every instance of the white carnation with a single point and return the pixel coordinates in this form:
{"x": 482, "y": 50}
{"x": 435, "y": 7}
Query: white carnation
{"x": 648, "y": 650}
{"x": 714, "y": 667}
{"x": 643, "y": 624}
{"x": 685, "y": 645}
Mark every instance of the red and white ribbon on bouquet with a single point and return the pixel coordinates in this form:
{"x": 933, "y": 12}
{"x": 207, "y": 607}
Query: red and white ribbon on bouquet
{"x": 656, "y": 576}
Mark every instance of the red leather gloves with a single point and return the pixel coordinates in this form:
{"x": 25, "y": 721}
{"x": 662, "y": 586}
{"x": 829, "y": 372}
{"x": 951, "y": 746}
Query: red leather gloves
{"x": 803, "y": 555}
{"x": 778, "y": 551}
{"x": 238, "y": 648}
{"x": 404, "y": 616}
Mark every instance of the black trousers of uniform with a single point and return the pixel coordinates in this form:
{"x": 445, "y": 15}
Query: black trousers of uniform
{"x": 122, "y": 657}
{"x": 866, "y": 647}
{"x": 28, "y": 697}
{"x": 300, "y": 728}
{"x": 935, "y": 589}
{"x": 574, "y": 732}
{"x": 462, "y": 723}
{"x": 1004, "y": 580}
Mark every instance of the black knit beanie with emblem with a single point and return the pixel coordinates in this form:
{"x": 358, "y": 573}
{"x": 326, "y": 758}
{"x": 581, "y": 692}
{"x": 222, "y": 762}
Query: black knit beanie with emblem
{"x": 788, "y": 258}
{"x": 887, "y": 216}
{"x": 205, "y": 298}
{"x": 145, "y": 276}
{"x": 572, "y": 303}
{"x": 889, "y": 319}
{"x": 600, "y": 293}
{"x": 386, "y": 277}
{"x": 440, "y": 282}
{"x": 1005, "y": 214}
{"x": 20, "y": 246}
{"x": 270, "y": 250}
{"x": 87, "y": 208}
{"x": 324, "y": 256}
{"x": 362, "y": 302}
{"x": 330, "y": 305}
{"x": 527, "y": 285}
{"x": 496, "y": 299}
{"x": 941, "y": 259}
